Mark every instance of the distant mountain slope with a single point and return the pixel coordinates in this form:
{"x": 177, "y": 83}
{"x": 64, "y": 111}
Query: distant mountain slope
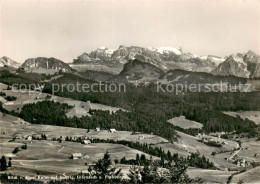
{"x": 141, "y": 71}
{"x": 181, "y": 76}
{"x": 104, "y": 60}
{"x": 168, "y": 58}
{"x": 242, "y": 65}
{"x": 96, "y": 76}
{"x": 5, "y": 61}
{"x": 165, "y": 58}
{"x": 209, "y": 82}
{"x": 41, "y": 64}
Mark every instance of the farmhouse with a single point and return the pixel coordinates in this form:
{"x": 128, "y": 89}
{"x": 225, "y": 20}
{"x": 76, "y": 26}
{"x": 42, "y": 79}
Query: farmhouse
{"x": 86, "y": 142}
{"x": 97, "y": 129}
{"x": 141, "y": 137}
{"x": 112, "y": 130}
{"x": 19, "y": 121}
{"x": 76, "y": 156}
{"x": 241, "y": 162}
{"x": 29, "y": 138}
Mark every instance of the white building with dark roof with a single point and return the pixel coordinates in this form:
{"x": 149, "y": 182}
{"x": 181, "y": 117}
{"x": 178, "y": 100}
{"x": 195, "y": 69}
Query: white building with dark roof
{"x": 76, "y": 156}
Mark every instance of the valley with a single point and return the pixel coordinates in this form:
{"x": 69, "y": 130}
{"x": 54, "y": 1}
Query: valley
{"x": 51, "y": 158}
{"x": 50, "y": 132}
{"x": 129, "y": 92}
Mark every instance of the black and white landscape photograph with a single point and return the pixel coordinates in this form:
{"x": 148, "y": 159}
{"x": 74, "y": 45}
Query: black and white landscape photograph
{"x": 129, "y": 91}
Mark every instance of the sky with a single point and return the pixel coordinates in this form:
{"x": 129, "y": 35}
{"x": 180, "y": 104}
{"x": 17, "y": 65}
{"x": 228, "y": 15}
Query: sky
{"x": 66, "y": 29}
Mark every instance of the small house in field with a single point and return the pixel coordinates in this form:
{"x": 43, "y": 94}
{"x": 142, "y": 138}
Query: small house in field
{"x": 141, "y": 137}
{"x": 76, "y": 156}
{"x": 97, "y": 129}
{"x": 241, "y": 163}
{"x": 86, "y": 142}
{"x": 19, "y": 121}
{"x": 112, "y": 130}
{"x": 29, "y": 138}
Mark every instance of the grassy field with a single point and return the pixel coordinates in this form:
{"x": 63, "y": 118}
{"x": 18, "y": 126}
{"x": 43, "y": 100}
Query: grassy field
{"x": 52, "y": 158}
{"x": 251, "y": 176}
{"x": 210, "y": 176}
{"x": 3, "y": 86}
{"x": 13, "y": 125}
{"x": 189, "y": 144}
{"x": 184, "y": 123}
{"x": 79, "y": 109}
{"x": 48, "y": 157}
{"x": 250, "y": 151}
{"x": 2, "y": 100}
{"x": 126, "y": 135}
{"x": 251, "y": 115}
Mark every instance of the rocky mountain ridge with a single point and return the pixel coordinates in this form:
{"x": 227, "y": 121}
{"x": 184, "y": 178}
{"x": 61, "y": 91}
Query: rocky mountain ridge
{"x": 246, "y": 65}
{"x": 42, "y": 63}
{"x": 165, "y": 58}
{"x": 5, "y": 61}
{"x": 241, "y": 65}
{"x": 168, "y": 58}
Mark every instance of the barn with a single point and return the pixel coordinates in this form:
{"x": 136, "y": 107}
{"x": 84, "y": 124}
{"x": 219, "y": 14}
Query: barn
{"x": 76, "y": 156}
{"x": 86, "y": 142}
{"x": 112, "y": 130}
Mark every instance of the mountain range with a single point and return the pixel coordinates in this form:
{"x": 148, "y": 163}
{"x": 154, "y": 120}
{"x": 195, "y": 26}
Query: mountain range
{"x": 244, "y": 65}
{"x": 165, "y": 58}
{"x": 133, "y": 62}
{"x": 7, "y": 62}
{"x": 241, "y": 65}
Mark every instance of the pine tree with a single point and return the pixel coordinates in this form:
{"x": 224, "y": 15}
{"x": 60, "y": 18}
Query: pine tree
{"x": 137, "y": 158}
{"x": 9, "y": 162}
{"x": 178, "y": 174}
{"x": 169, "y": 155}
{"x": 134, "y": 175}
{"x": 103, "y": 171}
{"x": 3, "y": 163}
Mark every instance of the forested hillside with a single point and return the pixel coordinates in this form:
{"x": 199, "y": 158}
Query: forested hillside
{"x": 148, "y": 107}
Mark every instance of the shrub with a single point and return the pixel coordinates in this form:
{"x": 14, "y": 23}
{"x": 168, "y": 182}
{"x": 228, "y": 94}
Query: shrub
{"x": 16, "y": 150}
{"x": 24, "y": 147}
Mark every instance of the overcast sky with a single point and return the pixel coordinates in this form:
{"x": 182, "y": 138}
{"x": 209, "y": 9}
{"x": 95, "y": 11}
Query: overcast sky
{"x": 66, "y": 29}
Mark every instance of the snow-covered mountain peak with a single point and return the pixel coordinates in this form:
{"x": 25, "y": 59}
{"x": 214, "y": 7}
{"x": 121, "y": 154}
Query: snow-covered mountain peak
{"x": 237, "y": 58}
{"x": 163, "y": 50}
{"x": 102, "y": 48}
